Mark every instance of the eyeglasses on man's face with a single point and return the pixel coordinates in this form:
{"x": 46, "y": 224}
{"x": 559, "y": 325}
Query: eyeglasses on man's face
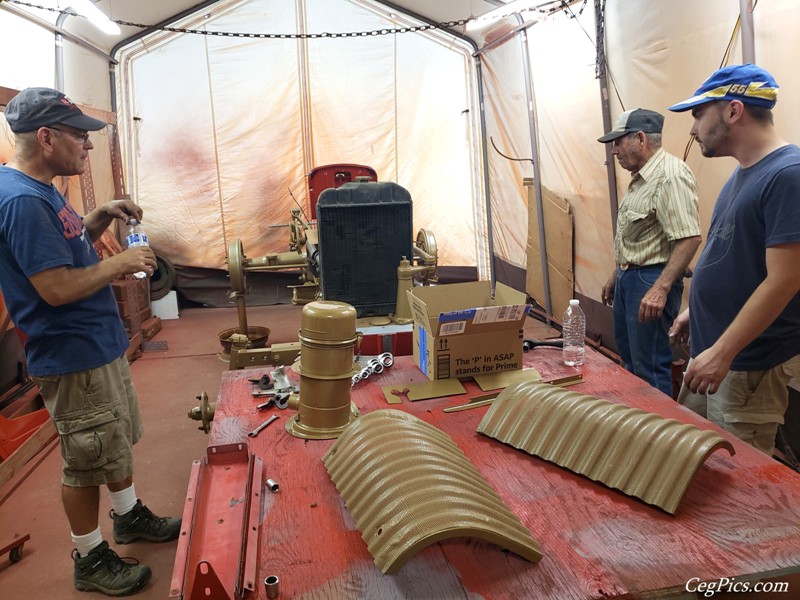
{"x": 81, "y": 136}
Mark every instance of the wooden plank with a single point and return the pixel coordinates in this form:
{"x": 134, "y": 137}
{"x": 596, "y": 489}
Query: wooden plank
{"x": 740, "y": 516}
{"x": 27, "y": 450}
{"x": 128, "y": 308}
{"x": 6, "y": 94}
{"x": 133, "y": 322}
{"x": 22, "y": 474}
{"x": 107, "y": 245}
{"x": 558, "y": 230}
{"x": 134, "y": 350}
{"x": 120, "y": 286}
{"x": 150, "y": 327}
{"x": 136, "y": 287}
{"x": 27, "y": 402}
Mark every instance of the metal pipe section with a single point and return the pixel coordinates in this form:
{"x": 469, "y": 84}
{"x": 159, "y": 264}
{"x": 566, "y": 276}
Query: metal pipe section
{"x": 60, "y": 35}
{"x": 537, "y": 174}
{"x": 748, "y": 34}
{"x": 273, "y": 262}
{"x": 241, "y": 311}
{"x": 59, "y": 58}
{"x": 485, "y": 155}
{"x": 537, "y": 183}
{"x": 50, "y": 27}
{"x": 272, "y": 586}
{"x": 505, "y": 37}
{"x": 305, "y": 90}
{"x": 611, "y": 171}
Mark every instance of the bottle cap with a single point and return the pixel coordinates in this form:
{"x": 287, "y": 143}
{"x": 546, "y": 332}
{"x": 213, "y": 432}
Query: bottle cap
{"x": 133, "y": 222}
{"x": 574, "y": 302}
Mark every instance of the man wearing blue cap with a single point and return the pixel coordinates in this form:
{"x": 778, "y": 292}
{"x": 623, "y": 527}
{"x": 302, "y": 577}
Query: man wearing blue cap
{"x": 658, "y": 232}
{"x": 743, "y": 320}
{"x": 57, "y": 291}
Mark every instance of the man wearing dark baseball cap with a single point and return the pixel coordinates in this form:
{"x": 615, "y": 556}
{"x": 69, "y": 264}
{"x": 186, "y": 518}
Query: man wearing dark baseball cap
{"x": 743, "y": 320}
{"x": 58, "y": 292}
{"x": 631, "y": 121}
{"x": 658, "y": 232}
{"x": 33, "y": 108}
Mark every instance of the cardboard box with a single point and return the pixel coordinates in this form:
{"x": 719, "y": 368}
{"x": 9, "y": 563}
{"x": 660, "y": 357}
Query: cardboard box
{"x": 460, "y": 331}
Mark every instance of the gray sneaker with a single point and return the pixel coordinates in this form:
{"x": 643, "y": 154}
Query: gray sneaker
{"x": 102, "y": 570}
{"x": 141, "y": 524}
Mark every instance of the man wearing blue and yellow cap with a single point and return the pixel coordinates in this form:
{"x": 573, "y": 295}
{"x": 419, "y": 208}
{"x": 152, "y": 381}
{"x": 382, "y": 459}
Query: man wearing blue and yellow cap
{"x": 744, "y": 305}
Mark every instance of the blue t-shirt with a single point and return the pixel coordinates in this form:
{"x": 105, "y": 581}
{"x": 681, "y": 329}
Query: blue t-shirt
{"x": 758, "y": 207}
{"x": 39, "y": 230}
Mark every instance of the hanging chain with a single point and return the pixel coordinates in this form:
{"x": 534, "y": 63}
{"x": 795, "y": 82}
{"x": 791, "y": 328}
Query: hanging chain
{"x": 568, "y": 11}
{"x": 560, "y": 5}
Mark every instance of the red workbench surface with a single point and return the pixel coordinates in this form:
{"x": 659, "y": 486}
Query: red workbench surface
{"x": 740, "y": 516}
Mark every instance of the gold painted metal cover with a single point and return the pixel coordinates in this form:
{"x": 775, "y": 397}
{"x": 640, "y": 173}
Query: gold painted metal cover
{"x": 407, "y": 486}
{"x": 327, "y": 320}
{"x": 641, "y": 454}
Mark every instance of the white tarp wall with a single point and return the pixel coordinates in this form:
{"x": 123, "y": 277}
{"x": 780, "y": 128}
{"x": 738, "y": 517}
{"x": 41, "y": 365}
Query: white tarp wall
{"x": 222, "y": 129}
{"x": 225, "y": 127}
{"x": 658, "y": 53}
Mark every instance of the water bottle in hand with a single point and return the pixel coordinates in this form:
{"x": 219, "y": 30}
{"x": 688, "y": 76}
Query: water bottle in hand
{"x": 574, "y": 330}
{"x": 136, "y": 237}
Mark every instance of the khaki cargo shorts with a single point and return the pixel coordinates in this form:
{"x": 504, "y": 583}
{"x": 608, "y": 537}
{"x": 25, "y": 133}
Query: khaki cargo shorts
{"x": 96, "y": 413}
{"x": 749, "y": 404}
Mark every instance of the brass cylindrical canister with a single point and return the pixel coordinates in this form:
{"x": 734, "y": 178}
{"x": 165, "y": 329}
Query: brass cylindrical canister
{"x": 327, "y": 340}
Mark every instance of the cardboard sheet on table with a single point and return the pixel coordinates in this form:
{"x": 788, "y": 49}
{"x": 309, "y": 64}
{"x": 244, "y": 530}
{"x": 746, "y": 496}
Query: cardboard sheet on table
{"x": 423, "y": 391}
{"x": 501, "y": 380}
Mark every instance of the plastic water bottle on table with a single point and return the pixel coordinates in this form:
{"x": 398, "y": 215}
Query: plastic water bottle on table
{"x": 574, "y": 330}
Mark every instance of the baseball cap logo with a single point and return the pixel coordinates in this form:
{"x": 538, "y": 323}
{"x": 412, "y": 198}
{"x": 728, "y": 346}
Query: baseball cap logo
{"x": 757, "y": 89}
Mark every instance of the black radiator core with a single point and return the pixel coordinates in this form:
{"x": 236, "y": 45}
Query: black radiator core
{"x": 365, "y": 229}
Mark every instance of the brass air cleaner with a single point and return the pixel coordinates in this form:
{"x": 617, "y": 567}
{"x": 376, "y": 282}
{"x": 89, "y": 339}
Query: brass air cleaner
{"x": 327, "y": 339}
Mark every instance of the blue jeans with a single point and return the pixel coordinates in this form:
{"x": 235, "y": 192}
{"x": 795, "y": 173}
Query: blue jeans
{"x": 644, "y": 346}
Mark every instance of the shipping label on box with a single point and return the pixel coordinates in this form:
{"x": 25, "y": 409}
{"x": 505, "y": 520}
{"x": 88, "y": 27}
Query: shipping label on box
{"x": 461, "y": 331}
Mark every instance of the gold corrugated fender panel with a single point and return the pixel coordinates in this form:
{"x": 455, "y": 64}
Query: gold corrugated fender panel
{"x": 407, "y": 485}
{"x": 641, "y": 454}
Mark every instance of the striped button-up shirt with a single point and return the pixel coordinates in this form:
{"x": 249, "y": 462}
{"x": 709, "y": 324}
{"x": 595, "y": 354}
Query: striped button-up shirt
{"x": 659, "y": 208}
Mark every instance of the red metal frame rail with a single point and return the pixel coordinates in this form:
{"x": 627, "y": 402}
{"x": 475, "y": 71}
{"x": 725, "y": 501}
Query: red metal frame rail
{"x": 217, "y": 552}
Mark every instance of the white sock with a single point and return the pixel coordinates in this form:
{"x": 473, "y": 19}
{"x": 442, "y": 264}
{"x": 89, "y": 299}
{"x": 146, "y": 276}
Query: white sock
{"x": 122, "y": 502}
{"x": 86, "y": 543}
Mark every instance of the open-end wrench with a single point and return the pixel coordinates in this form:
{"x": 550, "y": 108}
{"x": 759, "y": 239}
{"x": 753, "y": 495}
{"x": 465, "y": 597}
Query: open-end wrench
{"x": 258, "y": 429}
